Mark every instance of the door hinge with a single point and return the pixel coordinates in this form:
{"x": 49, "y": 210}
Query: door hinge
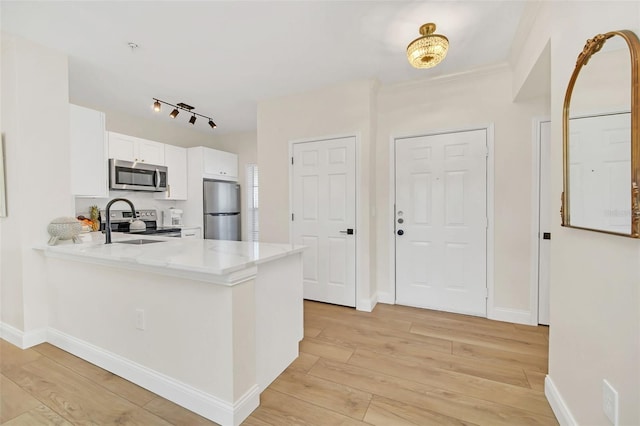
{"x": 291, "y": 217}
{"x": 486, "y": 223}
{"x": 486, "y": 151}
{"x": 486, "y": 292}
{"x": 292, "y": 161}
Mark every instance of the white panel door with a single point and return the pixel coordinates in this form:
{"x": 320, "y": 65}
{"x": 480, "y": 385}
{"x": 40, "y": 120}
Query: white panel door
{"x": 324, "y": 218}
{"x": 441, "y": 221}
{"x": 600, "y": 172}
{"x": 544, "y": 225}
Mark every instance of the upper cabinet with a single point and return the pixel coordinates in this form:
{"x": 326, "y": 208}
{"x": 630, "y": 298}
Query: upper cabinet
{"x": 130, "y": 148}
{"x": 88, "y": 152}
{"x": 176, "y": 161}
{"x": 220, "y": 164}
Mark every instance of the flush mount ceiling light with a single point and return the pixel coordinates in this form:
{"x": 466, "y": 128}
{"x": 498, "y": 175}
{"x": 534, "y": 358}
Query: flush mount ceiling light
{"x": 429, "y": 50}
{"x": 182, "y": 106}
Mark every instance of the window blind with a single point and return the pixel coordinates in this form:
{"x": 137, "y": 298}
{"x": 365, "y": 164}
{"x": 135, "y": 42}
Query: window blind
{"x": 252, "y": 202}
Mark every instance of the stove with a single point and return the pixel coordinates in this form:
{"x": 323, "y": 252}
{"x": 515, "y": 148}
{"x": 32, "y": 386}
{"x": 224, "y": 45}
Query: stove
{"x": 120, "y": 220}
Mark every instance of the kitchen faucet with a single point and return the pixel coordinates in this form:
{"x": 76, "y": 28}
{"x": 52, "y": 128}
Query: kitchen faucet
{"x": 107, "y": 230}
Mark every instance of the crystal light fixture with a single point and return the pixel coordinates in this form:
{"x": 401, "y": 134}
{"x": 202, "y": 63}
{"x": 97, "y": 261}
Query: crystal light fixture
{"x": 429, "y": 50}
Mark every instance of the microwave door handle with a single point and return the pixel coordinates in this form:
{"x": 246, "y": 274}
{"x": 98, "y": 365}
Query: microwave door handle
{"x": 156, "y": 178}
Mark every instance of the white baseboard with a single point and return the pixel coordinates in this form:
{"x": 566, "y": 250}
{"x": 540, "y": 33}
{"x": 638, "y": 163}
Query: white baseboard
{"x": 559, "y": 407}
{"x": 367, "y": 305}
{"x": 517, "y": 316}
{"x": 206, "y": 405}
{"x": 384, "y": 297}
{"x": 21, "y": 339}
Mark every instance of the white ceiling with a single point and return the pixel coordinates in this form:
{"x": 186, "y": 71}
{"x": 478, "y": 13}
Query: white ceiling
{"x": 223, "y": 57}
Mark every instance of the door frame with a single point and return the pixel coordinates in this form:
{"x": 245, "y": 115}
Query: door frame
{"x": 534, "y": 285}
{"x": 489, "y": 128}
{"x": 360, "y": 234}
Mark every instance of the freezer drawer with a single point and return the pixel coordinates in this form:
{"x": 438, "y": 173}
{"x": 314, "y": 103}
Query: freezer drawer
{"x": 222, "y": 226}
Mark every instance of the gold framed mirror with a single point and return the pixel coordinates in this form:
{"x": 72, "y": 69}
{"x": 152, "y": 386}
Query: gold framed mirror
{"x": 601, "y": 137}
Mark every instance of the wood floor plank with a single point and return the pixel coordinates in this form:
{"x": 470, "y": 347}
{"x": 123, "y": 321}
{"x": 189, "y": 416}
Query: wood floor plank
{"x": 462, "y": 323}
{"x": 116, "y": 384}
{"x": 39, "y": 416}
{"x": 312, "y": 331}
{"x": 441, "y": 401}
{"x": 324, "y": 350}
{"x": 77, "y": 398}
{"x": 384, "y": 411}
{"x": 279, "y": 409}
{"x": 532, "y": 362}
{"x": 352, "y": 336}
{"x": 441, "y": 357}
{"x": 343, "y": 315}
{"x": 333, "y": 396}
{"x": 176, "y": 414}
{"x": 478, "y": 339}
{"x": 303, "y": 363}
{"x": 12, "y": 356}
{"x": 413, "y": 369}
{"x": 536, "y": 379}
{"x": 14, "y": 400}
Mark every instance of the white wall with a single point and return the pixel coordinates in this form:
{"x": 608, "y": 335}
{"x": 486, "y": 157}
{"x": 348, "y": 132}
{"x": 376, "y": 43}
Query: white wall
{"x": 245, "y": 145}
{"x": 595, "y": 278}
{"x": 334, "y": 111}
{"x": 35, "y": 126}
{"x": 459, "y": 102}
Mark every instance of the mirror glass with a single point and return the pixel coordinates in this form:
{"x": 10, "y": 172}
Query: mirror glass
{"x": 599, "y": 142}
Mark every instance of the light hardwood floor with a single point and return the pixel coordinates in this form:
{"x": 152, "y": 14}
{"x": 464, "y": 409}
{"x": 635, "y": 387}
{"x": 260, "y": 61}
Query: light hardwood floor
{"x": 395, "y": 366}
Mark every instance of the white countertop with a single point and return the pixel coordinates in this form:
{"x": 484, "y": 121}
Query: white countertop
{"x": 224, "y": 262}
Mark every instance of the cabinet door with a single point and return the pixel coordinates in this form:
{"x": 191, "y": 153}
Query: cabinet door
{"x": 224, "y": 165}
{"x": 151, "y": 152}
{"x": 122, "y": 147}
{"x": 175, "y": 158}
{"x": 88, "y": 152}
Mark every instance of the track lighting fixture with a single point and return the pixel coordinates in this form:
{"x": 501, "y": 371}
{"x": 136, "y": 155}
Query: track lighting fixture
{"x": 157, "y": 103}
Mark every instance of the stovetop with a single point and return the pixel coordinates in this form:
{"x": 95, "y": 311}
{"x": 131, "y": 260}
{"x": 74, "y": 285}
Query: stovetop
{"x": 120, "y": 221}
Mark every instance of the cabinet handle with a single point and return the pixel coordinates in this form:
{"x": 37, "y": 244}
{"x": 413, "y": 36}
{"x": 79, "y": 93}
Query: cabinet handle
{"x": 168, "y": 191}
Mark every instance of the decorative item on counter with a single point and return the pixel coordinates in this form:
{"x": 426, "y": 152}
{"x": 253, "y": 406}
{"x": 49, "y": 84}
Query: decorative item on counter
{"x": 94, "y": 214}
{"x": 64, "y": 228}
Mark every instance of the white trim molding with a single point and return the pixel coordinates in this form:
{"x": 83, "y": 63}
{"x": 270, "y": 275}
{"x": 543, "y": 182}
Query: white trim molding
{"x": 193, "y": 399}
{"x": 22, "y": 339}
{"x": 517, "y": 316}
{"x": 367, "y": 305}
{"x": 559, "y": 407}
{"x": 388, "y": 298}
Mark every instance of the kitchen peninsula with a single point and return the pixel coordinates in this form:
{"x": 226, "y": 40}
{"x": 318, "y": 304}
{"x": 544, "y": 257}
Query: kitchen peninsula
{"x": 207, "y": 324}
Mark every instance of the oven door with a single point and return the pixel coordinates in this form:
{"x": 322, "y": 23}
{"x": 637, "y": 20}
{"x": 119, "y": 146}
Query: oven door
{"x": 135, "y": 176}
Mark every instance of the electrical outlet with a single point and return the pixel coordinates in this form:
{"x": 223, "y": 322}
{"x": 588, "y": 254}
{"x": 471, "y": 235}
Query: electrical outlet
{"x": 140, "y": 320}
{"x": 610, "y": 402}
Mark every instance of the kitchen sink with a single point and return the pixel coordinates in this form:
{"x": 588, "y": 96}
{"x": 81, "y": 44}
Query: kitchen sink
{"x": 138, "y": 241}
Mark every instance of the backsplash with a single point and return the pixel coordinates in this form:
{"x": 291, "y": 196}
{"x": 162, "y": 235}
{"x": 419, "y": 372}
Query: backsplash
{"x": 141, "y": 200}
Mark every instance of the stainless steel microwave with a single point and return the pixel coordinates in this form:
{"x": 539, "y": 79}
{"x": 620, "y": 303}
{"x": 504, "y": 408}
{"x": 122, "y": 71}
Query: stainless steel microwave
{"x": 137, "y": 176}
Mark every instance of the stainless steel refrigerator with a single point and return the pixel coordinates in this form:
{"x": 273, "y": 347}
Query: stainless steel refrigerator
{"x": 221, "y": 210}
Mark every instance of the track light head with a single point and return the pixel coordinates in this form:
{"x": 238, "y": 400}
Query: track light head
{"x": 157, "y": 105}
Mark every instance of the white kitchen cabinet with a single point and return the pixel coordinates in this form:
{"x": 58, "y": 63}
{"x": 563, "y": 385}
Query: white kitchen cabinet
{"x": 220, "y": 164}
{"x": 89, "y": 171}
{"x": 194, "y": 232}
{"x": 131, "y": 148}
{"x": 175, "y": 158}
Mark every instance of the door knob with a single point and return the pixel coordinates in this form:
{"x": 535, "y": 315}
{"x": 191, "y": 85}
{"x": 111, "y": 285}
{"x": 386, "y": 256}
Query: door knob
{"x": 349, "y": 231}
{"x": 400, "y": 232}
